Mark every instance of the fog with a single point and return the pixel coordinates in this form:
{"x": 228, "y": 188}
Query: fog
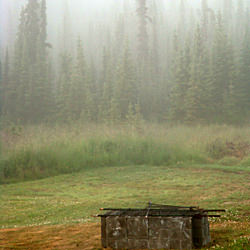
{"x": 160, "y": 60}
{"x": 97, "y": 12}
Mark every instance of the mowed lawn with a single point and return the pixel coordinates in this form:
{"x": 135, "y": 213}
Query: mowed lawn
{"x": 55, "y": 213}
{"x": 76, "y": 197}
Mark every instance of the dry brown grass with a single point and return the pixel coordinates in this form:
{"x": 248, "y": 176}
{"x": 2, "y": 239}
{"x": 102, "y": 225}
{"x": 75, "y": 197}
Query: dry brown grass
{"x": 88, "y": 236}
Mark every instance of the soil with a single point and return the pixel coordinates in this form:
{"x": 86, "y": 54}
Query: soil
{"x": 87, "y": 236}
{"x": 79, "y": 236}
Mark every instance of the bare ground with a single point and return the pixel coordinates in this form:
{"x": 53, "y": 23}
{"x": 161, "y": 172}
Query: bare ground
{"x": 88, "y": 236}
{"x": 79, "y": 236}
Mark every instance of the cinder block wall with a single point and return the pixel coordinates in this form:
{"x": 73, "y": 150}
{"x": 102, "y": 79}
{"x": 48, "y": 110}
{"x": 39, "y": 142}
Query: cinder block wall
{"x": 147, "y": 233}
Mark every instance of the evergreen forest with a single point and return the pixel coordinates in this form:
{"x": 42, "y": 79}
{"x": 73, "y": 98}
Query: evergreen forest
{"x": 130, "y": 104}
{"x": 152, "y": 60}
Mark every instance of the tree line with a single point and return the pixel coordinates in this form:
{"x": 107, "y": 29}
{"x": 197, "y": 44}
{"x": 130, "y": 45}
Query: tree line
{"x": 195, "y": 72}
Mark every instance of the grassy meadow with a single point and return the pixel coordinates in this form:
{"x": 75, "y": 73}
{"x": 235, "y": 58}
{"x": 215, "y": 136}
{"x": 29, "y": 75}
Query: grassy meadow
{"x": 71, "y": 199}
{"x": 74, "y": 197}
{"x": 41, "y": 151}
{"x": 63, "y": 175}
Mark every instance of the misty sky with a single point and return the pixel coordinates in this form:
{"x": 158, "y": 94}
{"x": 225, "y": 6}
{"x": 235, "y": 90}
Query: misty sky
{"x": 97, "y": 12}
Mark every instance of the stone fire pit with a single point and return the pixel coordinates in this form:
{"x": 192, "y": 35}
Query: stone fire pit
{"x": 156, "y": 227}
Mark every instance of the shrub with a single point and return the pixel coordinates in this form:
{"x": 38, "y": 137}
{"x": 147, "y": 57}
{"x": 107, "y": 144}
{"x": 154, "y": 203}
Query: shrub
{"x": 220, "y": 148}
{"x": 217, "y": 149}
{"x": 245, "y": 162}
{"x": 229, "y": 161}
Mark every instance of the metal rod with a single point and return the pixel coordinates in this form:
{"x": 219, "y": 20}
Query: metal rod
{"x": 160, "y": 216}
{"x": 214, "y": 215}
{"x": 170, "y": 206}
{"x": 143, "y": 209}
{"x": 215, "y": 210}
{"x": 149, "y": 206}
{"x": 122, "y": 209}
{"x": 158, "y": 209}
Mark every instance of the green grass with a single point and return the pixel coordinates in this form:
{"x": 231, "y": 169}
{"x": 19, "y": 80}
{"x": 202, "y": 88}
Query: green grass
{"x": 37, "y": 152}
{"x": 63, "y": 175}
{"x": 74, "y": 197}
{"x": 240, "y": 244}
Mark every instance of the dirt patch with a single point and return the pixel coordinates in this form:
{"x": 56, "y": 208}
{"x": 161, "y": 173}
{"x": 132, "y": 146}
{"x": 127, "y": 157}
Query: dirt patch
{"x": 79, "y": 236}
{"x": 88, "y": 236}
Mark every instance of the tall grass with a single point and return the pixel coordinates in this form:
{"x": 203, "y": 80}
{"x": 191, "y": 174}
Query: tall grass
{"x": 40, "y": 151}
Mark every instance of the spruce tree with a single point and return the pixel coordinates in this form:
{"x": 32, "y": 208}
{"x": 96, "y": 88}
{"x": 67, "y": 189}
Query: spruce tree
{"x": 181, "y": 73}
{"x": 1, "y": 88}
{"x": 107, "y": 86}
{"x": 63, "y": 88}
{"x": 66, "y": 34}
{"x": 193, "y": 99}
{"x": 242, "y": 89}
{"x": 125, "y": 89}
{"x": 81, "y": 89}
{"x": 44, "y": 80}
{"x": 155, "y": 44}
{"x": 222, "y": 72}
{"x": 30, "y": 80}
{"x": 5, "y": 85}
{"x": 143, "y": 43}
{"x": 91, "y": 111}
{"x": 78, "y": 85}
